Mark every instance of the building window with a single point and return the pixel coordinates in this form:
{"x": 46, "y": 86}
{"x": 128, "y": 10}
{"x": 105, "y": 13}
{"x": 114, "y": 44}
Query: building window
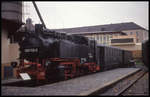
{"x": 102, "y": 29}
{"x": 130, "y": 33}
{"x": 104, "y": 43}
{"x": 101, "y": 38}
{"x": 124, "y": 40}
{"x": 137, "y": 33}
{"x": 107, "y": 38}
{"x": 110, "y": 36}
{"x": 137, "y": 40}
{"x": 97, "y": 37}
{"x": 104, "y": 38}
{"x": 115, "y": 35}
{"x": 92, "y": 37}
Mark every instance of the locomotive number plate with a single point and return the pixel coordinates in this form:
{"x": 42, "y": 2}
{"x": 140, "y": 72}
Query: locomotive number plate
{"x": 31, "y": 50}
{"x": 25, "y": 76}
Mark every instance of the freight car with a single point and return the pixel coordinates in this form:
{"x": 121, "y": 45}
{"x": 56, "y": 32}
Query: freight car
{"x": 127, "y": 58}
{"x": 47, "y": 55}
{"x": 112, "y": 57}
{"x": 109, "y": 57}
{"x": 145, "y": 53}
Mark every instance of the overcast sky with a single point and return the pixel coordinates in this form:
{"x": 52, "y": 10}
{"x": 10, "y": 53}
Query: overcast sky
{"x": 77, "y": 14}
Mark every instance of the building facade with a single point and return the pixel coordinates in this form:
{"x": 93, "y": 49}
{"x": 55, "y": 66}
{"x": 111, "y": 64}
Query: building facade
{"x": 140, "y": 34}
{"x": 123, "y": 40}
{"x": 128, "y": 36}
{"x": 103, "y": 36}
{"x": 128, "y": 42}
{"x": 11, "y": 21}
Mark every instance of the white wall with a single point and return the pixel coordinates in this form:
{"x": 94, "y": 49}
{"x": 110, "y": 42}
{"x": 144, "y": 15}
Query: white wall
{"x": 10, "y": 52}
{"x": 5, "y": 47}
{"x": 13, "y": 52}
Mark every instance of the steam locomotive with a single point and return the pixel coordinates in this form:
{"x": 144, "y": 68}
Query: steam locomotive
{"x": 145, "y": 53}
{"x": 47, "y": 55}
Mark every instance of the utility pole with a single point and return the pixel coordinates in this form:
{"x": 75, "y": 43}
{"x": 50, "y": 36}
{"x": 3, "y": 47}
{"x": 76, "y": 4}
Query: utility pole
{"x": 37, "y": 10}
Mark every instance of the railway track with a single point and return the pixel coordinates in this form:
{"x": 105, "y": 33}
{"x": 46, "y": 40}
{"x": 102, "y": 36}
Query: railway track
{"x": 122, "y": 86}
{"x": 131, "y": 84}
{"x": 140, "y": 87}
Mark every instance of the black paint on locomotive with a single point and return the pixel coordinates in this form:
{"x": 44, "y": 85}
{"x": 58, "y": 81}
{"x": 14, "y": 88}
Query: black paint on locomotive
{"x": 145, "y": 52}
{"x": 51, "y": 44}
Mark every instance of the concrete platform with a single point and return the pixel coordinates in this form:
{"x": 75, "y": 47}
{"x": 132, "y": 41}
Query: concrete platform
{"x": 10, "y": 80}
{"x": 78, "y": 86}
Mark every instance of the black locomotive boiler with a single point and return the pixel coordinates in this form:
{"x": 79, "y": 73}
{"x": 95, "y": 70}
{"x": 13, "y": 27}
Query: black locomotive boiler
{"x": 145, "y": 52}
{"x": 46, "y": 55}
